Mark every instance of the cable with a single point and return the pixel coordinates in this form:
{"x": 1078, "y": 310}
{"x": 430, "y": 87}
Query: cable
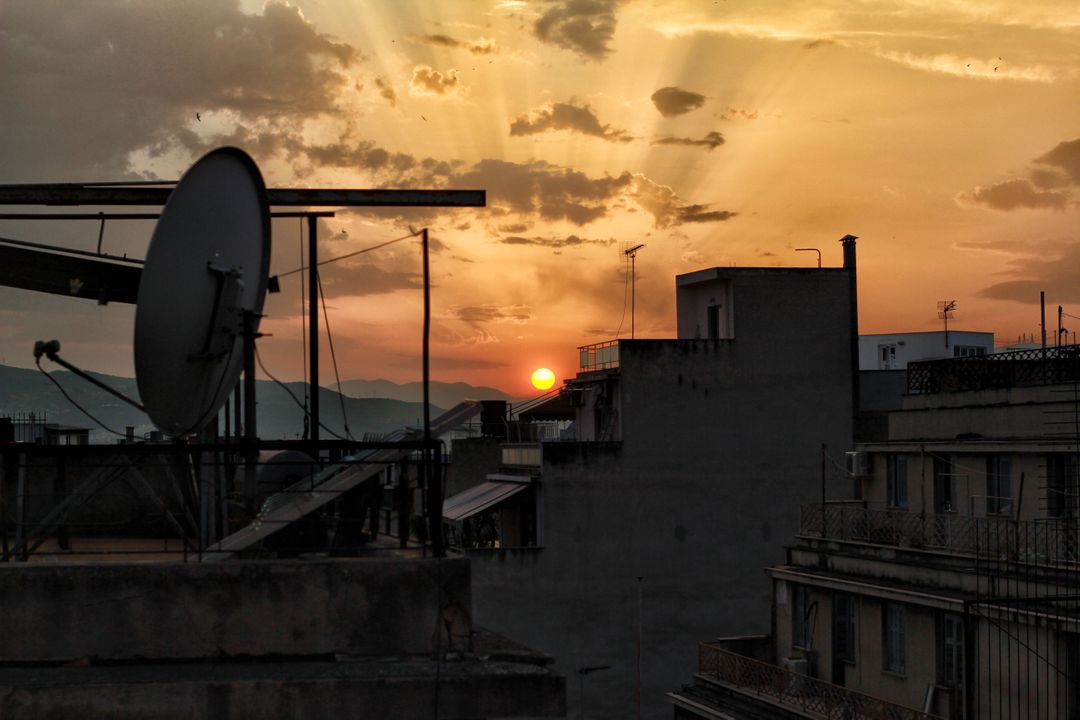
{"x": 625, "y": 285}
{"x": 84, "y": 411}
{"x": 299, "y": 404}
{"x": 352, "y": 254}
{"x": 333, "y": 357}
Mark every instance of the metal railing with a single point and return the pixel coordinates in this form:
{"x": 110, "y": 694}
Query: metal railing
{"x": 1046, "y": 541}
{"x": 599, "y": 356}
{"x": 1020, "y": 368}
{"x": 810, "y": 696}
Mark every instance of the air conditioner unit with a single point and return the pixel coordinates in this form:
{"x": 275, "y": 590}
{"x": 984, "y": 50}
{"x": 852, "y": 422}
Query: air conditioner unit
{"x": 799, "y": 667}
{"x": 858, "y": 463}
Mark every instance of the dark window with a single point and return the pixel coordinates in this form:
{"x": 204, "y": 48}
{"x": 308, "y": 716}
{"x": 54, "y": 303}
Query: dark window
{"x": 714, "y": 322}
{"x": 998, "y": 485}
{"x": 800, "y": 621}
{"x": 893, "y": 637}
{"x": 1061, "y": 485}
{"x": 944, "y": 486}
{"x": 844, "y": 627}
{"x": 950, "y": 649}
{"x": 896, "y": 481}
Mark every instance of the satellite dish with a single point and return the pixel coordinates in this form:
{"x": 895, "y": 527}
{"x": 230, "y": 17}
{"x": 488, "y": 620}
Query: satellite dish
{"x": 206, "y": 268}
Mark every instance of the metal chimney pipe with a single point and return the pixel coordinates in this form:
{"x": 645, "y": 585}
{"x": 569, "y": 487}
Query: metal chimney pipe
{"x": 848, "y": 241}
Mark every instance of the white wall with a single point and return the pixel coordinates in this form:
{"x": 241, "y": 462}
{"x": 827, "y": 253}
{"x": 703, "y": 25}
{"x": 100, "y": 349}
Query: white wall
{"x": 914, "y": 346}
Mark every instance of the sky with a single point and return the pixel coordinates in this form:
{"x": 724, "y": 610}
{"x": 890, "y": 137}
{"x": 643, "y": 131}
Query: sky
{"x": 944, "y": 133}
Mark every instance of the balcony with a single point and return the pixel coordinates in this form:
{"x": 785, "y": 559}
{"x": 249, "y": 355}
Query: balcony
{"x": 800, "y": 694}
{"x": 599, "y": 356}
{"x": 1054, "y": 541}
{"x": 1022, "y": 368}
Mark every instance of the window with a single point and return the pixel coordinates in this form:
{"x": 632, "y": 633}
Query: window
{"x": 998, "y": 485}
{"x": 944, "y": 487}
{"x": 886, "y": 357}
{"x": 801, "y": 631}
{"x": 950, "y": 649}
{"x": 714, "y": 322}
{"x": 844, "y": 627}
{"x": 896, "y": 481}
{"x": 1062, "y": 486}
{"x": 968, "y": 350}
{"x": 893, "y": 638}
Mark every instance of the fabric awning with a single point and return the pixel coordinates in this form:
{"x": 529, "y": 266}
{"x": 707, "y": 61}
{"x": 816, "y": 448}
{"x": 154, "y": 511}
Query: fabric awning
{"x": 479, "y": 498}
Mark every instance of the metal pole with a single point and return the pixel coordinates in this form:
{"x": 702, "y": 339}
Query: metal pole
{"x": 434, "y": 484}
{"x": 823, "y": 446}
{"x": 1060, "y": 310}
{"x": 639, "y": 633}
{"x": 1042, "y": 320}
{"x": 633, "y": 292}
{"x": 313, "y": 330}
{"x": 251, "y": 434}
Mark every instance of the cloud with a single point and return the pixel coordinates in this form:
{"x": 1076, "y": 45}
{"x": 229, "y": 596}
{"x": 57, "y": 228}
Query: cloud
{"x": 475, "y": 314}
{"x": 667, "y": 211}
{"x": 1014, "y": 194}
{"x": 387, "y": 91}
{"x": 1036, "y": 268}
{"x": 672, "y": 101}
{"x": 739, "y": 114}
{"x": 153, "y": 65}
{"x": 481, "y": 46}
{"x": 711, "y": 140}
{"x": 357, "y": 280}
{"x": 820, "y": 42}
{"x": 428, "y": 81}
{"x": 1066, "y": 157}
{"x": 566, "y": 116}
{"x": 584, "y": 26}
{"x": 553, "y": 242}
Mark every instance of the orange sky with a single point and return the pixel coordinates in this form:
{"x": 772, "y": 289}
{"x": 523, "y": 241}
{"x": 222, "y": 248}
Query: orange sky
{"x": 945, "y": 134}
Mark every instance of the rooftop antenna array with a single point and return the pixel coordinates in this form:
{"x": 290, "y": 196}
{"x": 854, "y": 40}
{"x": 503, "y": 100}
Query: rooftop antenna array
{"x": 945, "y": 310}
{"x": 631, "y": 253}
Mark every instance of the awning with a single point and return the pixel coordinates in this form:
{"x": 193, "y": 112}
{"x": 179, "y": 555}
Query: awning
{"x": 479, "y": 498}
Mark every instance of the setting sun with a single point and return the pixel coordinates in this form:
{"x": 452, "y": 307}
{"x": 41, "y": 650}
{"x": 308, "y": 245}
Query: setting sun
{"x": 543, "y": 379}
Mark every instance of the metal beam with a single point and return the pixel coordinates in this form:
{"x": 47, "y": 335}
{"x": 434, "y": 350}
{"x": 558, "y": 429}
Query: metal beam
{"x": 68, "y": 275}
{"x": 76, "y": 194}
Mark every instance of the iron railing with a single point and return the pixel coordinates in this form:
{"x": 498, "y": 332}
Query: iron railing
{"x": 1020, "y": 368}
{"x": 599, "y": 356}
{"x": 1046, "y": 541}
{"x": 809, "y": 696}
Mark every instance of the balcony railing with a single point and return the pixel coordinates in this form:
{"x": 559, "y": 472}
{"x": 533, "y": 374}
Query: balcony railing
{"x": 802, "y": 693}
{"x": 1020, "y": 368}
{"x": 1049, "y": 541}
{"x": 599, "y": 356}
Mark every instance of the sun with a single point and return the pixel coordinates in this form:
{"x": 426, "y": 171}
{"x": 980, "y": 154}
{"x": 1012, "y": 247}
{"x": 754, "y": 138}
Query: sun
{"x": 543, "y": 379}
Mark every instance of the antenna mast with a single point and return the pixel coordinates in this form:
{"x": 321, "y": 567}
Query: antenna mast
{"x": 632, "y": 254}
{"x": 945, "y": 311}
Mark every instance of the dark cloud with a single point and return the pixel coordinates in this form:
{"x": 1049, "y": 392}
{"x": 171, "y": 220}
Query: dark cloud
{"x": 552, "y": 242}
{"x": 666, "y": 209}
{"x": 1066, "y": 157}
{"x": 739, "y": 114}
{"x": 711, "y": 140}
{"x": 821, "y": 42}
{"x": 482, "y": 46}
{"x": 701, "y": 214}
{"x": 428, "y": 81}
{"x": 357, "y": 280}
{"x": 477, "y": 314}
{"x": 387, "y": 91}
{"x": 514, "y": 228}
{"x": 152, "y": 66}
{"x": 1016, "y": 193}
{"x": 584, "y": 26}
{"x": 566, "y": 116}
{"x": 672, "y": 101}
{"x": 1036, "y": 269}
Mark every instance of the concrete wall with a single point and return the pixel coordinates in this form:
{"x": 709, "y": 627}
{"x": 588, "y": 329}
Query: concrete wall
{"x": 245, "y": 608}
{"x": 721, "y": 443}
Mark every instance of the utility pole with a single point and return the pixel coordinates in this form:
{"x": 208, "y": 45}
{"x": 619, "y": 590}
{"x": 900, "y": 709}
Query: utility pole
{"x": 632, "y": 254}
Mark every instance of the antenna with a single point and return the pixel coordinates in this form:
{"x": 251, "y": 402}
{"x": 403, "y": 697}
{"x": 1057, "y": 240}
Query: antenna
{"x": 945, "y": 311}
{"x": 202, "y": 290}
{"x": 632, "y": 254}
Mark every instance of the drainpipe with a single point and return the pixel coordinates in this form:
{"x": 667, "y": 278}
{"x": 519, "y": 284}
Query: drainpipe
{"x": 848, "y": 241}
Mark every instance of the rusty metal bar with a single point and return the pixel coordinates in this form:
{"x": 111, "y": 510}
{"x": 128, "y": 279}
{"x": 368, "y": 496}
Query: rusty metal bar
{"x": 78, "y": 194}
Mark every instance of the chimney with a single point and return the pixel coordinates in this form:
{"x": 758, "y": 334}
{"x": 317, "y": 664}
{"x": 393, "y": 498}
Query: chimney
{"x": 848, "y": 241}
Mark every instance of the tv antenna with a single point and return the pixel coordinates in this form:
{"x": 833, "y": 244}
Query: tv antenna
{"x": 945, "y": 310}
{"x": 632, "y": 254}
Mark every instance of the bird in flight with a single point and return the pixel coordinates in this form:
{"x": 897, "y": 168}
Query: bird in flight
{"x": 198, "y": 117}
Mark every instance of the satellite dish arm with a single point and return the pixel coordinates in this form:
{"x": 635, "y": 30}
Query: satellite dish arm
{"x": 50, "y": 350}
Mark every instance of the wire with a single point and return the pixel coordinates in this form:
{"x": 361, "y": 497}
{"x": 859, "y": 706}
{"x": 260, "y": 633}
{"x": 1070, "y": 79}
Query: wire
{"x": 333, "y": 356}
{"x": 84, "y": 411}
{"x": 299, "y": 404}
{"x": 349, "y": 255}
{"x": 625, "y": 285}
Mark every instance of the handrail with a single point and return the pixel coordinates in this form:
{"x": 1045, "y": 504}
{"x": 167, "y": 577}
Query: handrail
{"x": 810, "y": 696}
{"x": 599, "y": 356}
{"x": 1018, "y": 368}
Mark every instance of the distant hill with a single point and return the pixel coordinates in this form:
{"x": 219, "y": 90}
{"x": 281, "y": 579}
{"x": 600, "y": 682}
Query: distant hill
{"x": 443, "y": 394}
{"x": 23, "y": 391}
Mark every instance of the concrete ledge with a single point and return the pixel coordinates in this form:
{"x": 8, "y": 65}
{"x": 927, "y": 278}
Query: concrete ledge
{"x": 360, "y": 606}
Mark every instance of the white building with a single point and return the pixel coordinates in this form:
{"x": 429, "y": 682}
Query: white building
{"x": 893, "y": 351}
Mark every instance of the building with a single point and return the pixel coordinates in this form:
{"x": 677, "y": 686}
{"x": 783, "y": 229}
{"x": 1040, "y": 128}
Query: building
{"x": 948, "y": 585}
{"x": 688, "y": 464}
{"x": 893, "y": 351}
